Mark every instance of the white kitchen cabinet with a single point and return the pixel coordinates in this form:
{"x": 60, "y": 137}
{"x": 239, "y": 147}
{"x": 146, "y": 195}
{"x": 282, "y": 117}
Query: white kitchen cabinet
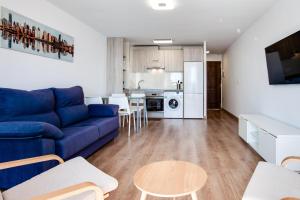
{"x": 173, "y": 60}
{"x": 271, "y": 139}
{"x": 138, "y": 59}
{"x": 193, "y": 53}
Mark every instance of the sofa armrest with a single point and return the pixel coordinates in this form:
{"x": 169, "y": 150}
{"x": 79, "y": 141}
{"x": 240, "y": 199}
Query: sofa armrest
{"x": 28, "y": 129}
{"x": 103, "y": 110}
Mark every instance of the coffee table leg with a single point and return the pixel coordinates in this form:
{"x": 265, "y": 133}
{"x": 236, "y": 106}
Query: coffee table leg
{"x": 143, "y": 196}
{"x": 194, "y": 196}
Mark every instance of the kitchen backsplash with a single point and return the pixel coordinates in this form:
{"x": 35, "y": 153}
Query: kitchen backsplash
{"x": 154, "y": 79}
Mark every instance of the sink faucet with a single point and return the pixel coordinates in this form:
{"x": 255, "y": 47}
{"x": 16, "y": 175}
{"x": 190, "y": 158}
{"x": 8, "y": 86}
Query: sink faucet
{"x": 139, "y": 86}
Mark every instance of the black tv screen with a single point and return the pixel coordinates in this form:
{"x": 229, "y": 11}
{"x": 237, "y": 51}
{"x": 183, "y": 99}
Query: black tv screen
{"x": 283, "y": 60}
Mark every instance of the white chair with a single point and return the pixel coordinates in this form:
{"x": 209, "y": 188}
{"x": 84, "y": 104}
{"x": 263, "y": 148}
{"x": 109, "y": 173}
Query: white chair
{"x": 124, "y": 110}
{"x": 140, "y": 108}
{"x": 270, "y": 181}
{"x": 93, "y": 100}
{"x": 75, "y": 179}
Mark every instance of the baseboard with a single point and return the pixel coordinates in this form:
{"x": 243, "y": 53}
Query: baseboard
{"x": 230, "y": 114}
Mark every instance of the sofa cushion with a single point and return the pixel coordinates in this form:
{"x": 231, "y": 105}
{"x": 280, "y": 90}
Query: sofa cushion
{"x": 271, "y": 182}
{"x": 66, "y": 97}
{"x": 62, "y": 176}
{"x": 104, "y": 125}
{"x": 29, "y": 130}
{"x": 70, "y": 105}
{"x": 75, "y": 139}
{"x": 20, "y": 105}
{"x": 72, "y": 114}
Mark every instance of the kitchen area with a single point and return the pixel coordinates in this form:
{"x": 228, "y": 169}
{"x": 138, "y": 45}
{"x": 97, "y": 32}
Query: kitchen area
{"x": 172, "y": 77}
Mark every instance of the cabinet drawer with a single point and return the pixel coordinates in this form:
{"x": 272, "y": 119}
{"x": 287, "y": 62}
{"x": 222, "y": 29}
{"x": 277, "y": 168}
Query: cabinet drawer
{"x": 267, "y": 146}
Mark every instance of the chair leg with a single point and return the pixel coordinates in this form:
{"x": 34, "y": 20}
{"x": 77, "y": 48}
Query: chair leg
{"x": 123, "y": 121}
{"x": 140, "y": 119}
{"x": 129, "y": 119}
{"x": 194, "y": 196}
{"x": 134, "y": 121}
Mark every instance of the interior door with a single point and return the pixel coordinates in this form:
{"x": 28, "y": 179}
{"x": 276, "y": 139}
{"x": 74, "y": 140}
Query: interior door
{"x": 214, "y": 85}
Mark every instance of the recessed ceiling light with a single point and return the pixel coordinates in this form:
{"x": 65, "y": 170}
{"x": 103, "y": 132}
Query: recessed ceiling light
{"x": 238, "y": 30}
{"x": 207, "y": 52}
{"x": 163, "y": 41}
{"x": 162, "y": 4}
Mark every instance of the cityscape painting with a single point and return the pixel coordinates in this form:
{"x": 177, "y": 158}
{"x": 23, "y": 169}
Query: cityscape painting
{"x": 20, "y": 33}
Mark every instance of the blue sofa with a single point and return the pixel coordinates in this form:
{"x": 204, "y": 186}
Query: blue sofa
{"x": 50, "y": 121}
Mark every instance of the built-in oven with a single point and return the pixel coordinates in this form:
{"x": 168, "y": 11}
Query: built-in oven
{"x": 155, "y": 103}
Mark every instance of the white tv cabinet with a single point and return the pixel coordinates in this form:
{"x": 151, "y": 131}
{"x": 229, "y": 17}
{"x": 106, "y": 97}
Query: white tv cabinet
{"x": 271, "y": 139}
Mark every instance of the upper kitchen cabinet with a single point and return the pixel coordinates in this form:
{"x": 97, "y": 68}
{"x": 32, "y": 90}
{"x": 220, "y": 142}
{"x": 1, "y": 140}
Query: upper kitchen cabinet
{"x": 193, "y": 53}
{"x": 146, "y": 57}
{"x": 138, "y": 59}
{"x": 173, "y": 60}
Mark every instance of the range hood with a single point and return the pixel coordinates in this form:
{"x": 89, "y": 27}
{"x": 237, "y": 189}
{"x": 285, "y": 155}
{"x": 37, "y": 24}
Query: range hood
{"x": 155, "y": 67}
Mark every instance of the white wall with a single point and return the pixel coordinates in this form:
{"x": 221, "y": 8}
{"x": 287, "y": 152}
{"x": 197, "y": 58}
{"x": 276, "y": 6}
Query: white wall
{"x": 245, "y": 86}
{"x": 26, "y": 71}
{"x": 214, "y": 57}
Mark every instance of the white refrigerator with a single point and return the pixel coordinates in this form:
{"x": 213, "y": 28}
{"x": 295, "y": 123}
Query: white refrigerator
{"x": 193, "y": 90}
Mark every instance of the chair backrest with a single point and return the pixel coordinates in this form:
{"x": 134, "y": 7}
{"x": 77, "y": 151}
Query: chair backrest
{"x": 122, "y": 102}
{"x": 118, "y": 95}
{"x": 133, "y": 102}
{"x": 93, "y": 100}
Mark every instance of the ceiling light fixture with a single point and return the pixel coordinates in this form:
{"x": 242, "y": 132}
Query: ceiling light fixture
{"x": 163, "y": 41}
{"x": 207, "y": 52}
{"x": 162, "y": 4}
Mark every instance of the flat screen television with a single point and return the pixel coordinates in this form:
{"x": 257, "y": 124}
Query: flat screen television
{"x": 283, "y": 60}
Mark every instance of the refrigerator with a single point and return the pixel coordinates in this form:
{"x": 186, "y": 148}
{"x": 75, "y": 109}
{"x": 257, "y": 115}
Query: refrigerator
{"x": 193, "y": 90}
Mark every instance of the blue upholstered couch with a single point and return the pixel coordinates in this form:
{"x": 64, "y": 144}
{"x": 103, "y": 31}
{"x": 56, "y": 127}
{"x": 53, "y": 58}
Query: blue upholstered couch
{"x": 50, "y": 121}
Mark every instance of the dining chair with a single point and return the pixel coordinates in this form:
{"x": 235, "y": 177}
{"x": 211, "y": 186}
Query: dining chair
{"x": 137, "y": 105}
{"x": 124, "y": 110}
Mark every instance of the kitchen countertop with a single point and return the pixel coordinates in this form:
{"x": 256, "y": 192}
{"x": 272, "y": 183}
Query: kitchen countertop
{"x": 153, "y": 90}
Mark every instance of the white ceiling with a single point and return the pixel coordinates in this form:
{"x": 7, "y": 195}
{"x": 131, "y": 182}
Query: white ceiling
{"x": 191, "y": 22}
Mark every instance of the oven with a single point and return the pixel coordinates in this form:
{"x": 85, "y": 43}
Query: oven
{"x": 155, "y": 103}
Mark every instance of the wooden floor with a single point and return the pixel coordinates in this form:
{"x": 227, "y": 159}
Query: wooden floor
{"x": 213, "y": 144}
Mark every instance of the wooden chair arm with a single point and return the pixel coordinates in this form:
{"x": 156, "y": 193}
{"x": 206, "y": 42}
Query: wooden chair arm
{"x": 29, "y": 161}
{"x": 289, "y": 159}
{"x": 290, "y": 198}
{"x": 72, "y": 191}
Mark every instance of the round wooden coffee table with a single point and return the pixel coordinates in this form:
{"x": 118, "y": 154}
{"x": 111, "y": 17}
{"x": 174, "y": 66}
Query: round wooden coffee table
{"x": 170, "y": 179}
